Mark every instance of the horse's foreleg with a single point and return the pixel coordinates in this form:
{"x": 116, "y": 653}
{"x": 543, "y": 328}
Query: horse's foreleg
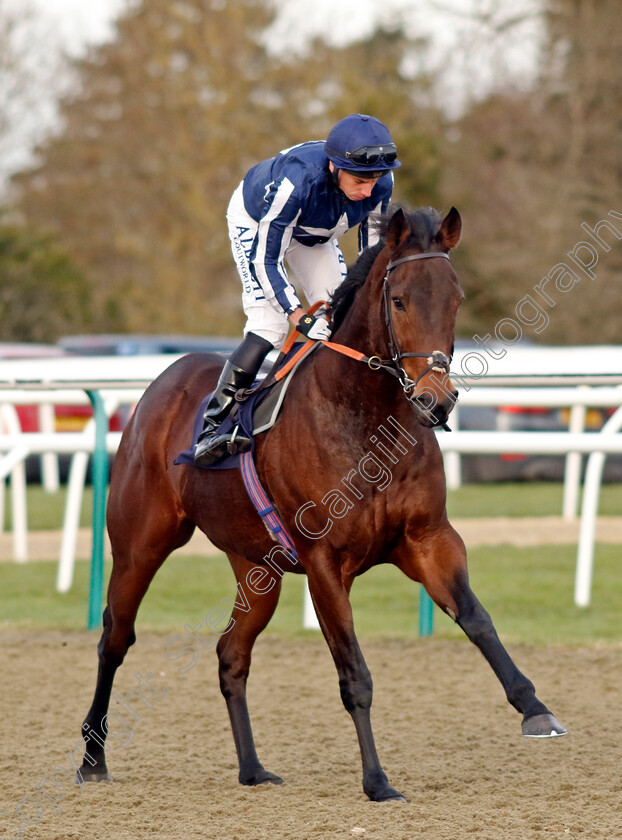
{"x": 332, "y": 603}
{"x": 438, "y": 561}
{"x": 256, "y": 608}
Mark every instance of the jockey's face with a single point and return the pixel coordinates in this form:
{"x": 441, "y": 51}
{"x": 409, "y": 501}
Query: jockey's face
{"x": 353, "y": 187}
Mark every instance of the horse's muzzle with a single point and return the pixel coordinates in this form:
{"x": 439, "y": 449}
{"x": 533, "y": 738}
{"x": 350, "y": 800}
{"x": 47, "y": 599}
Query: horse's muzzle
{"x": 434, "y": 409}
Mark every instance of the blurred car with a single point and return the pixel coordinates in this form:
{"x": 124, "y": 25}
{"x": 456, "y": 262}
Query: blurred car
{"x": 510, "y": 466}
{"x": 118, "y": 344}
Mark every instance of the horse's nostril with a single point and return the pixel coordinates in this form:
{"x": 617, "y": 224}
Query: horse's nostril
{"x": 426, "y": 401}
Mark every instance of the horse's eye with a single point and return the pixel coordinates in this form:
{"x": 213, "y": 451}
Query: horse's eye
{"x": 397, "y": 303}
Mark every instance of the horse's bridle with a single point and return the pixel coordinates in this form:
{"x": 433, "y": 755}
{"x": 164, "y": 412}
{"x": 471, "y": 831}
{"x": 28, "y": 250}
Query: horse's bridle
{"x": 437, "y": 360}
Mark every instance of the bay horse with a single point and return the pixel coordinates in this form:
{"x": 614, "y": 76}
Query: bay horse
{"x": 398, "y": 307}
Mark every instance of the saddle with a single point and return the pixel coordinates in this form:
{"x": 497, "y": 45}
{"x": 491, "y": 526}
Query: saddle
{"x": 257, "y": 409}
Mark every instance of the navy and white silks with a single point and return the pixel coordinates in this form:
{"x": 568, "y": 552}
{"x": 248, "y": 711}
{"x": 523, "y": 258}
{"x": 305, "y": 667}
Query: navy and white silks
{"x": 288, "y": 208}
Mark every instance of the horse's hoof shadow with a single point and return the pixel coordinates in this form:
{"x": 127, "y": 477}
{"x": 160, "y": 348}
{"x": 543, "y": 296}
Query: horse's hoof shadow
{"x": 543, "y": 726}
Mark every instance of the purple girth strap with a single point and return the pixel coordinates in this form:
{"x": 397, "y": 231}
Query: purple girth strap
{"x": 262, "y": 503}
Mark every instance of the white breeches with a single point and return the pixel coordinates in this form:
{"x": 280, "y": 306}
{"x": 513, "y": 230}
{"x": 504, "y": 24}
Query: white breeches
{"x": 318, "y": 270}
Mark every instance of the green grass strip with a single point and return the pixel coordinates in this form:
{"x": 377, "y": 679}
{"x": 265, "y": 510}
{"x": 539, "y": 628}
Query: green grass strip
{"x": 527, "y": 591}
{"x": 46, "y": 510}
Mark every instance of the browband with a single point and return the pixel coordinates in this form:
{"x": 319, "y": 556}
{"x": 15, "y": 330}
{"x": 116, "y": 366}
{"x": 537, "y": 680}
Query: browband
{"x": 425, "y": 256}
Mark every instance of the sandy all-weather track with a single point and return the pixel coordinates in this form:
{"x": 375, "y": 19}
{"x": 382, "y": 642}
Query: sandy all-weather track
{"x": 446, "y": 736}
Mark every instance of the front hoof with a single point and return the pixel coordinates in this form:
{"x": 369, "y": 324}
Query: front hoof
{"x": 379, "y": 790}
{"x": 260, "y": 777}
{"x": 543, "y": 726}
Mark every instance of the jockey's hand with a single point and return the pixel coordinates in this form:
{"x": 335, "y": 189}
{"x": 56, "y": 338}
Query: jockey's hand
{"x": 314, "y": 328}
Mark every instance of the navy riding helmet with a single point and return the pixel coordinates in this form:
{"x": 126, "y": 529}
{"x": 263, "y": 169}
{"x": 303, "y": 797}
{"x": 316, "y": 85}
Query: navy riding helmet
{"x": 363, "y": 145}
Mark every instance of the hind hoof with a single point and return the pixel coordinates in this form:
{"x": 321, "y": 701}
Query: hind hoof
{"x": 543, "y": 726}
{"x": 92, "y": 774}
{"x": 261, "y": 777}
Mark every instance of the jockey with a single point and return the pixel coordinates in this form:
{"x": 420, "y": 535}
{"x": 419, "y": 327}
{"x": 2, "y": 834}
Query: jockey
{"x": 294, "y": 207}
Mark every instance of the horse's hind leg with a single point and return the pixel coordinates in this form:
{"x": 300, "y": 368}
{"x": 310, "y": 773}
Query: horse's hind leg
{"x": 139, "y": 549}
{"x": 439, "y": 562}
{"x": 257, "y": 597}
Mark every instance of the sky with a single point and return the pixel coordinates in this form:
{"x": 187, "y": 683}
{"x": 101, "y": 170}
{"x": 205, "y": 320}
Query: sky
{"x": 78, "y": 22}
{"x": 448, "y": 23}
{"x": 464, "y": 36}
{"x": 478, "y": 57}
{"x": 471, "y": 54}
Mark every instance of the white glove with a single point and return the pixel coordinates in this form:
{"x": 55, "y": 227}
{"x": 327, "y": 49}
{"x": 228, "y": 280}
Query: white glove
{"x": 316, "y": 329}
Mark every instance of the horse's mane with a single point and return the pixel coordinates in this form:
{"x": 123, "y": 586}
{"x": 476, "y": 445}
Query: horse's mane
{"x": 424, "y": 224}
{"x": 344, "y": 294}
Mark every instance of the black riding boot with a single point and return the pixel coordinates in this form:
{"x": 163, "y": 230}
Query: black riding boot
{"x": 239, "y": 372}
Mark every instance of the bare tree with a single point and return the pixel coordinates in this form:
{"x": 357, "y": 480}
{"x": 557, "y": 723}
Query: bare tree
{"x": 528, "y": 168}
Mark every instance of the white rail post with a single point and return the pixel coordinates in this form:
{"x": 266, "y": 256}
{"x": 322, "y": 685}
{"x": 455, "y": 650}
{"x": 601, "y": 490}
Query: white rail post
{"x": 572, "y": 471}
{"x": 587, "y": 531}
{"x": 71, "y": 521}
{"x": 50, "y": 478}
{"x": 73, "y": 505}
{"x": 452, "y": 460}
{"x": 13, "y": 463}
{"x": 309, "y": 616}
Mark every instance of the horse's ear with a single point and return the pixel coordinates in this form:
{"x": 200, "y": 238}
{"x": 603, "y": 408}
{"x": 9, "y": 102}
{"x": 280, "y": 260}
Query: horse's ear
{"x": 398, "y": 229}
{"x": 450, "y": 230}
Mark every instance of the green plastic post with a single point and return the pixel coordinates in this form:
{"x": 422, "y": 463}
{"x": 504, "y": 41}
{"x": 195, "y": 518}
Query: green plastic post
{"x": 100, "y": 481}
{"x": 426, "y": 613}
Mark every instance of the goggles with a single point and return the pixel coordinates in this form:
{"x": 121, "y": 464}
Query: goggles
{"x": 370, "y": 155}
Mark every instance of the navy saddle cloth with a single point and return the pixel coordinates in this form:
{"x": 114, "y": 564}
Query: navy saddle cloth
{"x": 257, "y": 413}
